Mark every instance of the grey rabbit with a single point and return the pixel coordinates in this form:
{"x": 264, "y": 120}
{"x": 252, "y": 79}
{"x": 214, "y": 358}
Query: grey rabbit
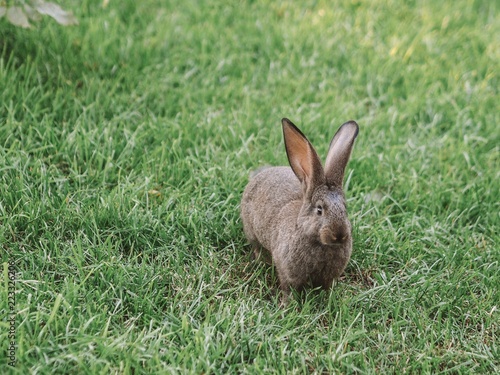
{"x": 299, "y": 214}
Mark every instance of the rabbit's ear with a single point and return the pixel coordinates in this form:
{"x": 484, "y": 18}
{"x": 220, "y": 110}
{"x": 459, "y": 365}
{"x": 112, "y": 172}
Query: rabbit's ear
{"x": 339, "y": 153}
{"x": 302, "y": 157}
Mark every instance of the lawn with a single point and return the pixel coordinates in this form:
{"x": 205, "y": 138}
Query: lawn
{"x": 126, "y": 142}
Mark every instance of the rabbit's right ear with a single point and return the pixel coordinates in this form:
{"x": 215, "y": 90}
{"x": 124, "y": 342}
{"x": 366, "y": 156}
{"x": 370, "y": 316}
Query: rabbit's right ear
{"x": 339, "y": 153}
{"x": 302, "y": 157}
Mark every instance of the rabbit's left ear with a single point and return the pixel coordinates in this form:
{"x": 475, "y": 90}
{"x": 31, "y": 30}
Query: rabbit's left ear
{"x": 339, "y": 153}
{"x": 302, "y": 157}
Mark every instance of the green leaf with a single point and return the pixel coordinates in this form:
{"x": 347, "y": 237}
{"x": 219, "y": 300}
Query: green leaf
{"x": 17, "y": 17}
{"x": 3, "y": 10}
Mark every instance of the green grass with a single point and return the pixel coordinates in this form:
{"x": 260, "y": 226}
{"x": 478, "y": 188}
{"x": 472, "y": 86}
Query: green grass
{"x": 125, "y": 145}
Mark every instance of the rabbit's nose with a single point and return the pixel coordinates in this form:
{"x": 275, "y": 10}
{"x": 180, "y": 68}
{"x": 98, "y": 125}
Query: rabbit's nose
{"x": 330, "y": 238}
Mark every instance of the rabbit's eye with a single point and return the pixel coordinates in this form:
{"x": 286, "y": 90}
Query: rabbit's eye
{"x": 319, "y": 209}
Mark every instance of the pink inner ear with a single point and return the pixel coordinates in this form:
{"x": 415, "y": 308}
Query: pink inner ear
{"x": 306, "y": 164}
{"x": 298, "y": 153}
{"x": 299, "y": 169}
{"x": 301, "y": 155}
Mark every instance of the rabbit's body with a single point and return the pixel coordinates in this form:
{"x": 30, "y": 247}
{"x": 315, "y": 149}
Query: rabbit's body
{"x": 298, "y": 214}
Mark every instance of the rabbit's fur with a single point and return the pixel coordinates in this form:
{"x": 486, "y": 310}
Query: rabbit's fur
{"x": 299, "y": 214}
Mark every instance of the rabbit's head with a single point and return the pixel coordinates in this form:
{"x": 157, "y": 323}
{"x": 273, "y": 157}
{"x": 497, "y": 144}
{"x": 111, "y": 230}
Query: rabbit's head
{"x": 323, "y": 216}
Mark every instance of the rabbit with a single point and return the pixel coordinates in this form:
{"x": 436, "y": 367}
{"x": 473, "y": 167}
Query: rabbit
{"x": 298, "y": 213}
